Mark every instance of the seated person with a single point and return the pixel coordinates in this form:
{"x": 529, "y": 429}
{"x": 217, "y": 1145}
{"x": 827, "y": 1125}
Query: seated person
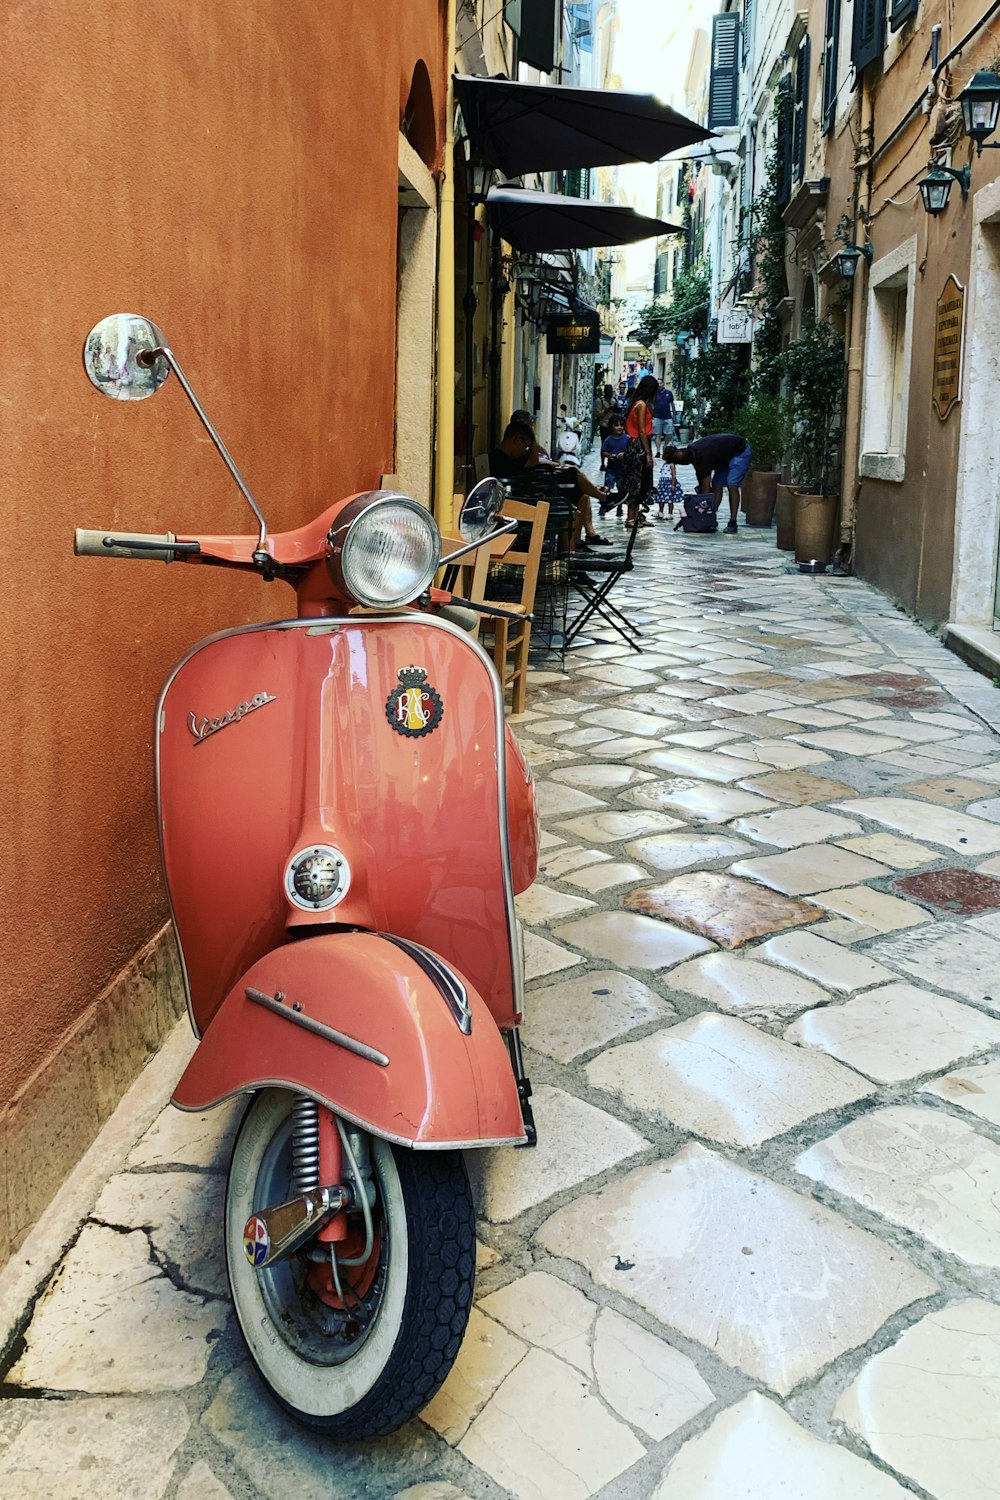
{"x": 586, "y": 490}
{"x": 513, "y": 456}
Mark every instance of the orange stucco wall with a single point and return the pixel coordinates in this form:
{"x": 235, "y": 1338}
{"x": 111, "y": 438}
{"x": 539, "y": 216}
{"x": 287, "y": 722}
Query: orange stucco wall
{"x": 229, "y": 170}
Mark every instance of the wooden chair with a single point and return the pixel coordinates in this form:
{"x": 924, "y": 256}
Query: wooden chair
{"x": 511, "y": 638}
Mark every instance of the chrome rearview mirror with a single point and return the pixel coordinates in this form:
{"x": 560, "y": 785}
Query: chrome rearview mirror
{"x": 482, "y": 505}
{"x": 126, "y": 358}
{"x": 111, "y": 357}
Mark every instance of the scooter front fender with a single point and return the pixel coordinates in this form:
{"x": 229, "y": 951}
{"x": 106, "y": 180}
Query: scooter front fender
{"x": 364, "y": 1026}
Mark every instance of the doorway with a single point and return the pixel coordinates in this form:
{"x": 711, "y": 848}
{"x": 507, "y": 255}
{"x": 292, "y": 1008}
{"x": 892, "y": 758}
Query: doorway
{"x": 975, "y": 596}
{"x": 416, "y": 250}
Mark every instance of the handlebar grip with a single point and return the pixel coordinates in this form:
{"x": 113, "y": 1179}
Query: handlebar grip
{"x": 142, "y": 545}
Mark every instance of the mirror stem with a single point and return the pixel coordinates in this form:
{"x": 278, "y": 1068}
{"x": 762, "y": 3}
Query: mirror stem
{"x": 261, "y": 556}
{"x": 489, "y": 536}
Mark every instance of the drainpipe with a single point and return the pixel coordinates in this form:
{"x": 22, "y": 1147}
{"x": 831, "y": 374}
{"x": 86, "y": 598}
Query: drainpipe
{"x": 508, "y": 355}
{"x": 850, "y": 480}
{"x": 444, "y": 466}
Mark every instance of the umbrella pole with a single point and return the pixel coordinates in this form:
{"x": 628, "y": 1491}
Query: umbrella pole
{"x": 496, "y": 307}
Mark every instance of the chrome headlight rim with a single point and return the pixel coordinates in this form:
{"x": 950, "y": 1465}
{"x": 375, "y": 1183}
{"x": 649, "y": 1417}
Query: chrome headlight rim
{"x": 339, "y": 541}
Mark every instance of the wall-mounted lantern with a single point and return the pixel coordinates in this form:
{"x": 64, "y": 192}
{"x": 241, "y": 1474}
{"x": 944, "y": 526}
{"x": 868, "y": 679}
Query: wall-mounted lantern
{"x": 935, "y": 188}
{"x": 980, "y": 101}
{"x": 845, "y": 262}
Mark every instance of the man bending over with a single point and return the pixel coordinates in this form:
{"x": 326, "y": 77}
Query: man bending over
{"x": 720, "y": 461}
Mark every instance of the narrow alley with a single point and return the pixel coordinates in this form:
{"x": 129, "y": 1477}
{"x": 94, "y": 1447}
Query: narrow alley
{"x": 754, "y": 1249}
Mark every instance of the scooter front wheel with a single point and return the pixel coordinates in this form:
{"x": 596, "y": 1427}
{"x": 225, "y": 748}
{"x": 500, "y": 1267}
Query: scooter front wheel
{"x": 359, "y": 1354}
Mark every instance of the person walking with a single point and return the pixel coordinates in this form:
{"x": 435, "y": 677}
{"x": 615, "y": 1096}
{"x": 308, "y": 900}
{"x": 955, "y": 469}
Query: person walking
{"x": 720, "y": 461}
{"x": 663, "y": 419}
{"x": 639, "y": 453}
{"x": 613, "y": 454}
{"x": 606, "y": 408}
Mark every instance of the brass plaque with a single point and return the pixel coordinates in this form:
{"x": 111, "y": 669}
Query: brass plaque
{"x": 948, "y": 347}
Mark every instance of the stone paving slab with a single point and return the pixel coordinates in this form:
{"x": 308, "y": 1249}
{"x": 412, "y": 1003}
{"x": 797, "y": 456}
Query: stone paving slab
{"x": 757, "y": 1251}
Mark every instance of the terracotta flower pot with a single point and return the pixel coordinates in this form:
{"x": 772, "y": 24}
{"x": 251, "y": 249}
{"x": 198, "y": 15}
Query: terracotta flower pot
{"x": 785, "y": 516}
{"x": 814, "y": 522}
{"x": 760, "y": 492}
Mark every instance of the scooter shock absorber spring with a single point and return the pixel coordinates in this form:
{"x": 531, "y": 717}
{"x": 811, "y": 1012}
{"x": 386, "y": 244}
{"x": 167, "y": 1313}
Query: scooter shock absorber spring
{"x": 305, "y": 1146}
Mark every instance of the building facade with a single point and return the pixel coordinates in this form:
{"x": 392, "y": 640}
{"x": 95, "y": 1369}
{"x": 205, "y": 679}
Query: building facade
{"x": 848, "y": 105}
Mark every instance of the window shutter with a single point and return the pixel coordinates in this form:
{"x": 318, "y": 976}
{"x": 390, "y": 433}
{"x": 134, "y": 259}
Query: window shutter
{"x": 901, "y": 11}
{"x": 800, "y": 111}
{"x": 724, "y": 82}
{"x": 831, "y": 50}
{"x": 868, "y": 40}
{"x": 746, "y": 30}
{"x": 783, "y": 139}
{"x": 660, "y": 274}
{"x": 534, "y": 24}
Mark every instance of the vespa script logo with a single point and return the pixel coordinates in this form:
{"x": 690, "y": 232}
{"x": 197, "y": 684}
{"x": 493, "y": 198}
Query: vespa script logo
{"x": 203, "y": 729}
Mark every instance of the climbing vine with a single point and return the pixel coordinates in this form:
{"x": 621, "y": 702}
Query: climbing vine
{"x": 771, "y": 285}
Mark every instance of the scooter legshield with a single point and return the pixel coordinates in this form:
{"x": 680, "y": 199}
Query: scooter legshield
{"x": 390, "y": 1054}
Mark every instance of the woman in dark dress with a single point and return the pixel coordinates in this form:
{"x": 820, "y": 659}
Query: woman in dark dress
{"x": 639, "y": 453}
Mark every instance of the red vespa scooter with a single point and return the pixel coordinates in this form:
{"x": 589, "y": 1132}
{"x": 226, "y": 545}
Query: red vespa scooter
{"x": 344, "y": 819}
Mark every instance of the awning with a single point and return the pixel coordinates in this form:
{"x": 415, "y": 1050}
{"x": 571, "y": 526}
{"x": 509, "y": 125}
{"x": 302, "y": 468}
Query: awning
{"x": 549, "y": 221}
{"x": 540, "y": 127}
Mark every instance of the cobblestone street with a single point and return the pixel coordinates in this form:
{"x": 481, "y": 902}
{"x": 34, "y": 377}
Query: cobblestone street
{"x": 756, "y": 1251}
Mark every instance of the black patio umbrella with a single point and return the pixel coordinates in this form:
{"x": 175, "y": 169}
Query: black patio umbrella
{"x": 549, "y": 221}
{"x": 539, "y": 127}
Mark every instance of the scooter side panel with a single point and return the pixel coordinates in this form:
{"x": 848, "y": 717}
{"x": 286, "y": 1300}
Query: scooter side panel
{"x": 437, "y": 1088}
{"x": 275, "y": 738}
{"x": 522, "y": 816}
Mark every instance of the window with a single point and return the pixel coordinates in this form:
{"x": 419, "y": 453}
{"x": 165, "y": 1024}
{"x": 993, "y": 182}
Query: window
{"x": 868, "y": 39}
{"x": 746, "y": 33}
{"x": 724, "y": 80}
{"x": 831, "y": 38}
{"x": 534, "y": 24}
{"x": 800, "y": 111}
{"x": 901, "y": 11}
{"x": 888, "y": 349}
{"x": 783, "y": 104}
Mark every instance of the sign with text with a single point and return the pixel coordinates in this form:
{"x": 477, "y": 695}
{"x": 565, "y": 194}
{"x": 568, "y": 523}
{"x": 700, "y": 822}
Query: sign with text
{"x": 735, "y": 326}
{"x": 948, "y": 347}
{"x": 573, "y": 333}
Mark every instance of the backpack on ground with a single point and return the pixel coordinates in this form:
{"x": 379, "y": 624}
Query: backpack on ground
{"x": 697, "y": 514}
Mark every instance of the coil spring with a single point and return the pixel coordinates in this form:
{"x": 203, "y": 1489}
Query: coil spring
{"x": 305, "y": 1146}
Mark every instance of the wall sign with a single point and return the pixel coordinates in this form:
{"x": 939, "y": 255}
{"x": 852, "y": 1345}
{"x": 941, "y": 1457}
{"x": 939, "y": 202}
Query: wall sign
{"x": 735, "y": 326}
{"x": 573, "y": 333}
{"x": 948, "y": 328}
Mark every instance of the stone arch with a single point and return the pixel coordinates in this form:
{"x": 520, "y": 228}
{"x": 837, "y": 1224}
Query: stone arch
{"x": 419, "y": 121}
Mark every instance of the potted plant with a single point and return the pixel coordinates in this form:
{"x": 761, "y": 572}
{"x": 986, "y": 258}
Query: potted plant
{"x": 764, "y": 424}
{"x": 815, "y": 371}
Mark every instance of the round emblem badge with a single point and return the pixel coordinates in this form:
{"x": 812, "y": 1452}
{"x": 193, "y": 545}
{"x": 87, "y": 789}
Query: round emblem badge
{"x": 256, "y": 1240}
{"x": 414, "y": 708}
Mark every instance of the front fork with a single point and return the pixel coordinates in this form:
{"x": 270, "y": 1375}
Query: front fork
{"x": 513, "y": 1039}
{"x": 317, "y": 1158}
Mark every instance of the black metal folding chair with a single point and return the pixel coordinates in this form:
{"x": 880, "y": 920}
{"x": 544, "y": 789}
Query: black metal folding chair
{"x": 559, "y": 491}
{"x": 593, "y": 576}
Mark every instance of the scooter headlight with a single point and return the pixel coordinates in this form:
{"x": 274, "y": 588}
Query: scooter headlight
{"x": 383, "y": 549}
